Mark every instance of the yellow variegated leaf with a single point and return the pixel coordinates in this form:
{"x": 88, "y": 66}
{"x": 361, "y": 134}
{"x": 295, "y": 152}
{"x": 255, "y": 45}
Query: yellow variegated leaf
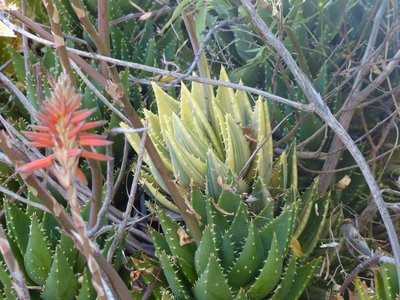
{"x": 220, "y": 125}
{"x": 277, "y": 171}
{"x": 226, "y": 96}
{"x": 195, "y": 144}
{"x": 154, "y": 124}
{"x": 243, "y": 106}
{"x": 166, "y": 107}
{"x": 187, "y": 168}
{"x": 186, "y": 114}
{"x": 237, "y": 150}
{"x": 261, "y": 131}
{"x": 215, "y": 169}
{"x": 198, "y": 95}
{"x": 147, "y": 181}
{"x": 134, "y": 141}
{"x": 202, "y": 120}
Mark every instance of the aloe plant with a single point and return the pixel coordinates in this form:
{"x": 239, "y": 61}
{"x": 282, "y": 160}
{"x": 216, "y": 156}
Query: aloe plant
{"x": 211, "y": 144}
{"x": 238, "y": 257}
{"x": 47, "y": 257}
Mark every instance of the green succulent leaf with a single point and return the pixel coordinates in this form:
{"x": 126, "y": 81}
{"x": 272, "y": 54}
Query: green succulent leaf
{"x": 249, "y": 261}
{"x": 6, "y": 282}
{"x": 262, "y": 132}
{"x": 315, "y": 225}
{"x": 225, "y": 96}
{"x": 241, "y": 295}
{"x": 306, "y": 207}
{"x": 227, "y": 251}
{"x": 199, "y": 203}
{"x": 201, "y": 124}
{"x": 184, "y": 254}
{"x": 270, "y": 272}
{"x": 18, "y": 224}
{"x": 389, "y": 280}
{"x": 302, "y": 278}
{"x": 205, "y": 249}
{"x": 240, "y": 226}
{"x": 61, "y": 283}
{"x": 282, "y": 227}
{"x": 68, "y": 249}
{"x": 37, "y": 257}
{"x": 230, "y": 203}
{"x": 212, "y": 283}
{"x": 362, "y": 289}
{"x": 167, "y": 106}
{"x": 176, "y": 280}
{"x": 86, "y": 291}
{"x": 287, "y": 280}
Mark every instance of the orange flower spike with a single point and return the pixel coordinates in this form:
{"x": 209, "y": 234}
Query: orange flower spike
{"x": 62, "y": 127}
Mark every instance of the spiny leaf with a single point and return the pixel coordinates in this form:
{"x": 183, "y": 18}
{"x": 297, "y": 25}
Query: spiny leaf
{"x": 204, "y": 250}
{"x": 37, "y": 257}
{"x": 241, "y": 295}
{"x": 237, "y": 149}
{"x": 212, "y": 283}
{"x": 61, "y": 283}
{"x": 177, "y": 282}
{"x": 184, "y": 254}
{"x": 270, "y": 273}
{"x": 187, "y": 168}
{"x": 17, "y": 224}
{"x": 281, "y": 227}
{"x": 303, "y": 276}
{"x": 248, "y": 263}
{"x": 286, "y": 282}
{"x": 6, "y": 282}
{"x": 189, "y": 140}
{"x": 86, "y": 291}
{"x": 215, "y": 169}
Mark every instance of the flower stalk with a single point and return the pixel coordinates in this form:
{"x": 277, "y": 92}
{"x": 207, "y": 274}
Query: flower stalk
{"x": 62, "y": 128}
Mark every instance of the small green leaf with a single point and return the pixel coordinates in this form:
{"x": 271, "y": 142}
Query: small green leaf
{"x": 61, "y": 283}
{"x": 37, "y": 257}
{"x": 86, "y": 291}
{"x": 241, "y": 295}
{"x": 6, "y": 282}
{"x": 18, "y": 225}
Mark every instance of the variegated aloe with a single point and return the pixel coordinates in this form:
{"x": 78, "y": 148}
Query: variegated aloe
{"x": 238, "y": 257}
{"x": 210, "y": 143}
